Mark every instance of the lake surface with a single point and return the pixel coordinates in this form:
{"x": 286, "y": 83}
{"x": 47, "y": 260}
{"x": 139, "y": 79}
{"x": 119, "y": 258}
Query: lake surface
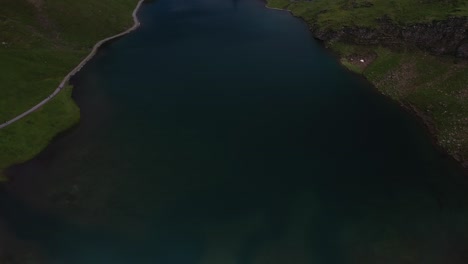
{"x": 221, "y": 132}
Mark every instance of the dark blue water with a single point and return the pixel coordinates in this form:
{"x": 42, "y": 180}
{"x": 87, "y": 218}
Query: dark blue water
{"x": 220, "y": 132}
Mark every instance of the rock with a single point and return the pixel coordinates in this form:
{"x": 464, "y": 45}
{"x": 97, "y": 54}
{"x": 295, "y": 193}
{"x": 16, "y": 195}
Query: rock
{"x": 462, "y": 51}
{"x": 436, "y": 37}
{"x": 465, "y": 164}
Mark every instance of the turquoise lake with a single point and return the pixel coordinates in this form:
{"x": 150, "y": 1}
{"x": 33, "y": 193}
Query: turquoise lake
{"x": 222, "y": 132}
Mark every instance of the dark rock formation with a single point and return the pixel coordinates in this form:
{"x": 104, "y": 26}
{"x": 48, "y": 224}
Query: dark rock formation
{"x": 448, "y": 37}
{"x": 462, "y": 51}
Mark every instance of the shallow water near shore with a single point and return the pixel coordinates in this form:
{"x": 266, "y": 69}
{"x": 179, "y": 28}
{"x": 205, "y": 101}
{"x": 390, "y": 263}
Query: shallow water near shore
{"x": 221, "y": 132}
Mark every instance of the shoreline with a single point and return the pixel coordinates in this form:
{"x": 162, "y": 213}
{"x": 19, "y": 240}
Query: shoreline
{"x": 410, "y": 109}
{"x": 66, "y": 79}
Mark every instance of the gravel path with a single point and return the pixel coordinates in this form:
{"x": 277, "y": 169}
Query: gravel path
{"x": 64, "y": 82}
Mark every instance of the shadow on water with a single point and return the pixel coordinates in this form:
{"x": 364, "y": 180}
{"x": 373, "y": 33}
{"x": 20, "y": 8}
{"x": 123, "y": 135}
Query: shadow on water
{"x": 57, "y": 237}
{"x": 235, "y": 3}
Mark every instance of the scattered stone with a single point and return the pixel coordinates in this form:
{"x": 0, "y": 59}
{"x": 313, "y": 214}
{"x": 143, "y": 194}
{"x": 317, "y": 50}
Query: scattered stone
{"x": 465, "y": 164}
{"x": 462, "y": 51}
{"x": 362, "y": 60}
{"x": 437, "y": 37}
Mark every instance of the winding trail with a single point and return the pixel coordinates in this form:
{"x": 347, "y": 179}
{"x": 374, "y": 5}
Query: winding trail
{"x": 136, "y": 24}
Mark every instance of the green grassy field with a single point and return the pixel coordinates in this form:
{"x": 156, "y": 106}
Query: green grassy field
{"x": 436, "y": 86}
{"x": 338, "y": 13}
{"x": 40, "y": 42}
{"x": 23, "y": 140}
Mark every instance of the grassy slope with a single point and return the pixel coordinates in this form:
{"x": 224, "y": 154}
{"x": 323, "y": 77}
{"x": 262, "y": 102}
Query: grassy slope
{"x": 436, "y": 86}
{"x": 336, "y": 13}
{"x": 40, "y": 42}
{"x": 23, "y": 140}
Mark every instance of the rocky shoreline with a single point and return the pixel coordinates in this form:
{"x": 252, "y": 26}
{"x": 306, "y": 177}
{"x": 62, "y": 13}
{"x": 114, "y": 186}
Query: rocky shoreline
{"x": 445, "y": 37}
{"x": 439, "y": 38}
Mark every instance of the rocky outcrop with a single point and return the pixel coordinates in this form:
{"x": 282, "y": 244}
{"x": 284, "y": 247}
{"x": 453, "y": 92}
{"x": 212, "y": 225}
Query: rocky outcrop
{"x": 462, "y": 51}
{"x": 448, "y": 37}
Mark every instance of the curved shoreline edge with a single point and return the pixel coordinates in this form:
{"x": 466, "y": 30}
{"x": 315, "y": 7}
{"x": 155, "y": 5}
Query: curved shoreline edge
{"x": 136, "y": 24}
{"x": 409, "y": 108}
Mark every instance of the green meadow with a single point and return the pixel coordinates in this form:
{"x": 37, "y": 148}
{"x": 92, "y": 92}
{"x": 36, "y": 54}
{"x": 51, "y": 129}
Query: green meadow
{"x": 40, "y": 42}
{"x": 338, "y": 13}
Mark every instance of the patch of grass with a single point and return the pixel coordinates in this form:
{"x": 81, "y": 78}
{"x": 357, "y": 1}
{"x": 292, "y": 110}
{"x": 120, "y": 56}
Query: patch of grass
{"x": 29, "y": 76}
{"x": 338, "y": 13}
{"x": 39, "y": 44}
{"x": 82, "y": 23}
{"x": 281, "y": 4}
{"x": 23, "y": 140}
{"x": 350, "y": 66}
{"x": 377, "y": 72}
{"x": 437, "y": 86}
{"x": 344, "y": 49}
